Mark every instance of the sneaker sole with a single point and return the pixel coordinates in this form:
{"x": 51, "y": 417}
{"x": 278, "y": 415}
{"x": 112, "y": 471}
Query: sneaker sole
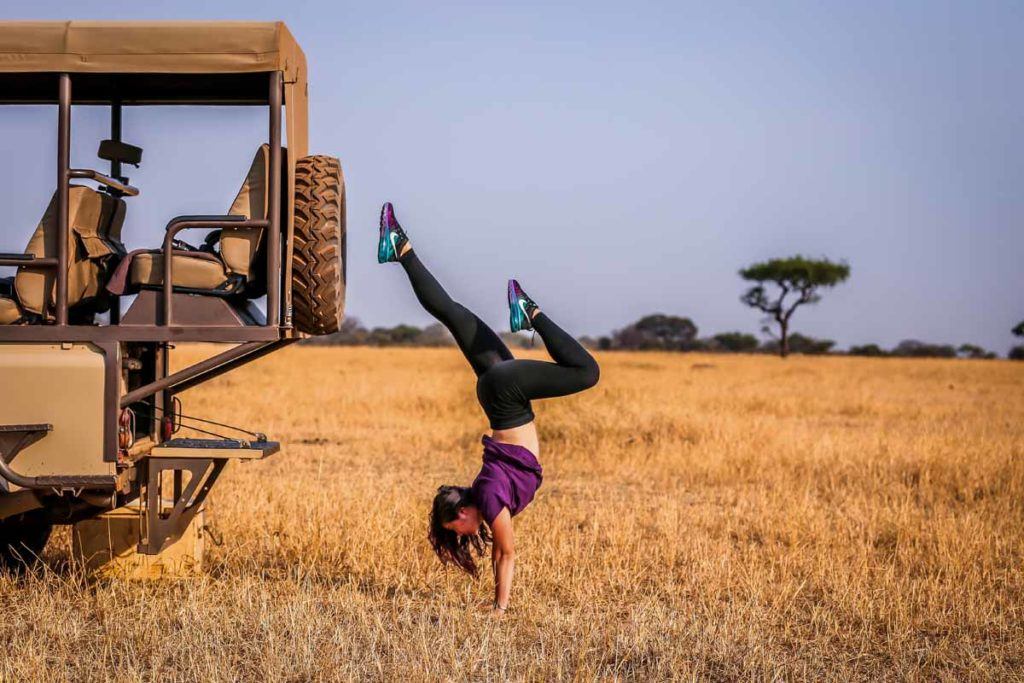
{"x": 384, "y": 249}
{"x": 518, "y": 319}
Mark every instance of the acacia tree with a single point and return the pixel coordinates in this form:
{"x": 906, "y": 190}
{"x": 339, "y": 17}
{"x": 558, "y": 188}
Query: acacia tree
{"x": 1017, "y": 352}
{"x": 798, "y": 280}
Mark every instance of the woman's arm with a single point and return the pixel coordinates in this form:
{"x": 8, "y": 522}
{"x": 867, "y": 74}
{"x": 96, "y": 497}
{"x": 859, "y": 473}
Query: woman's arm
{"x": 503, "y": 558}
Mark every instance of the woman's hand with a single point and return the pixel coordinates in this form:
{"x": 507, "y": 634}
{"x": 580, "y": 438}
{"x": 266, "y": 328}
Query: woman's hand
{"x": 491, "y": 610}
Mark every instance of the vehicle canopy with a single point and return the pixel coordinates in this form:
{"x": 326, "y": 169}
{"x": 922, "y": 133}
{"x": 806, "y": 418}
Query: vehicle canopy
{"x": 159, "y": 62}
{"x": 133, "y": 63}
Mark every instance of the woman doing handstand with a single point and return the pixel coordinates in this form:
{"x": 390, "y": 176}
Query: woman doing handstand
{"x": 464, "y": 519}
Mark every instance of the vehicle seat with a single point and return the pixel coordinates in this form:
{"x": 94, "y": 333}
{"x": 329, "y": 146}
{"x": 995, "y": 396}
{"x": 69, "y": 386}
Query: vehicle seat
{"x": 95, "y": 220}
{"x": 232, "y": 266}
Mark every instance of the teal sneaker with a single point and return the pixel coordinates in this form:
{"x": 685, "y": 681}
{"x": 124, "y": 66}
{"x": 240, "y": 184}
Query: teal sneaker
{"x": 520, "y": 307}
{"x": 392, "y": 237}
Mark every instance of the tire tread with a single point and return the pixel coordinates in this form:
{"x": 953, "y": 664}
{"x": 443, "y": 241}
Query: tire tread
{"x": 318, "y": 257}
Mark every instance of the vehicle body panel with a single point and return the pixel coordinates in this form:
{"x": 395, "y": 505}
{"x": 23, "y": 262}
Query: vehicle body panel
{"x": 61, "y": 385}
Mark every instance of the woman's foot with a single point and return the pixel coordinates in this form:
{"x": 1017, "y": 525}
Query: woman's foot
{"x": 393, "y": 243}
{"x": 521, "y": 308}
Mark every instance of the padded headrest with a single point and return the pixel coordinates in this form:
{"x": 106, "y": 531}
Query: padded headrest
{"x": 238, "y": 247}
{"x": 251, "y": 200}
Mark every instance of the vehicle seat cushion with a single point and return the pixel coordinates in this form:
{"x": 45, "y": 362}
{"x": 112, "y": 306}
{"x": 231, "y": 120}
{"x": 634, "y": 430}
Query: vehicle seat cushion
{"x": 193, "y": 270}
{"x": 90, "y": 214}
{"x": 238, "y": 247}
{"x": 10, "y": 312}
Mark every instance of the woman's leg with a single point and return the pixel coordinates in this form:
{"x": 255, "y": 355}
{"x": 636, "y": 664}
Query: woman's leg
{"x": 563, "y": 348}
{"x": 574, "y": 368}
{"x": 478, "y": 342}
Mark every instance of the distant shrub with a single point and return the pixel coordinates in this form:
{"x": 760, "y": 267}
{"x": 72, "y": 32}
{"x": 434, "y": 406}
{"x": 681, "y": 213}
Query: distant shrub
{"x": 799, "y": 343}
{"x": 736, "y": 342}
{"x": 912, "y": 348}
{"x": 399, "y": 335}
{"x": 656, "y": 332}
{"x": 873, "y": 350}
{"x": 352, "y": 333}
{"x": 521, "y": 340}
{"x": 1017, "y": 352}
{"x": 974, "y": 351}
{"x": 434, "y": 335}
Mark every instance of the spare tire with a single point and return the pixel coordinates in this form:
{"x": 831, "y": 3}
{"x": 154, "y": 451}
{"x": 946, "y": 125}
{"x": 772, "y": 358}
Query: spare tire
{"x": 318, "y": 257}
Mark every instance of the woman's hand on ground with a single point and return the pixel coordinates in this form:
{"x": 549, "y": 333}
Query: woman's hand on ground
{"x": 491, "y": 610}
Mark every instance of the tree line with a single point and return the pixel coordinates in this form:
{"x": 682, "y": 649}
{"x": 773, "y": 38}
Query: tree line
{"x": 779, "y": 286}
{"x": 659, "y": 332}
{"x": 673, "y": 333}
{"x": 353, "y": 333}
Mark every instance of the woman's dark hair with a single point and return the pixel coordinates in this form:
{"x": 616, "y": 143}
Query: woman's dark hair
{"x": 449, "y": 546}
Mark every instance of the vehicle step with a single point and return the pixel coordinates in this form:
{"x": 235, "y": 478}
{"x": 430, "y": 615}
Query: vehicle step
{"x": 215, "y": 448}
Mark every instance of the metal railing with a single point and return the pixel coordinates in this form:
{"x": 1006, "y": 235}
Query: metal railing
{"x": 272, "y": 223}
{"x": 227, "y": 222}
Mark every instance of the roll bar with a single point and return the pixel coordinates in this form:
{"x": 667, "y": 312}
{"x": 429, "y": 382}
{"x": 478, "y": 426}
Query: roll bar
{"x": 26, "y": 260}
{"x": 205, "y": 370}
{"x": 227, "y": 222}
{"x": 112, "y": 183}
{"x": 63, "y": 183}
{"x": 65, "y": 174}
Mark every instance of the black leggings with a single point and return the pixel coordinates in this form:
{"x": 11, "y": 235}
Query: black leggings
{"x": 505, "y": 386}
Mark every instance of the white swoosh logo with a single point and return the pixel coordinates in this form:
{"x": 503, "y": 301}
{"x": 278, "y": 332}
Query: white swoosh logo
{"x": 393, "y": 245}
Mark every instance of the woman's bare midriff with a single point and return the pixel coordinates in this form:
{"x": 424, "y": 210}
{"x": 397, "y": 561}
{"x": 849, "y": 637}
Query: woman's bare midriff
{"x": 525, "y": 436}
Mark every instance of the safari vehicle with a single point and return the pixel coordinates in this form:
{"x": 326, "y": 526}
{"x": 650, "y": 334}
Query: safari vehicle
{"x": 89, "y": 406}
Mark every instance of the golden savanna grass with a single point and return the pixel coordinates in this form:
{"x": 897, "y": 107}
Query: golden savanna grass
{"x": 702, "y": 517}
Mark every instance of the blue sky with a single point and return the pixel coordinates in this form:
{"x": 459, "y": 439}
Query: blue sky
{"x": 625, "y": 158}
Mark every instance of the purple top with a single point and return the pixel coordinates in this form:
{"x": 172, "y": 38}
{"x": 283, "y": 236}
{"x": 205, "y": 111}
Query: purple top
{"x": 508, "y": 479}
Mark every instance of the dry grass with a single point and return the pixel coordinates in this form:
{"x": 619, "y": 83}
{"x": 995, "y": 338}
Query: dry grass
{"x": 818, "y": 518}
